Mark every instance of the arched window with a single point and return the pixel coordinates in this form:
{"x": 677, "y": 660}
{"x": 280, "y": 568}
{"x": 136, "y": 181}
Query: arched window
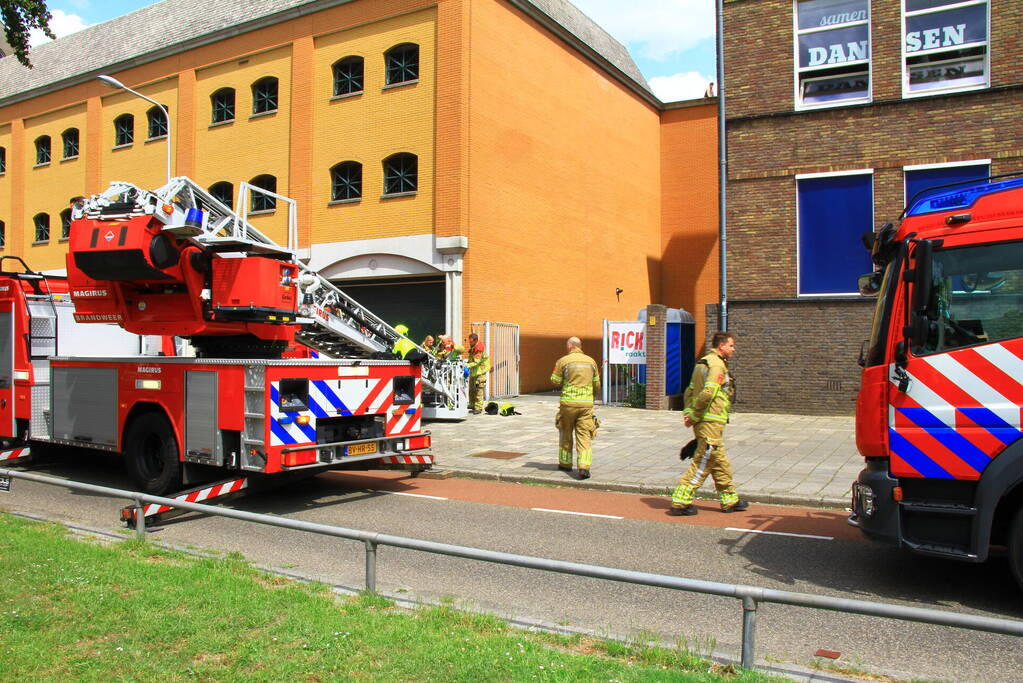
{"x": 264, "y": 95}
{"x": 3, "y": 160}
{"x": 42, "y": 149}
{"x": 70, "y": 142}
{"x": 223, "y": 192}
{"x": 346, "y": 181}
{"x": 401, "y": 173}
{"x": 124, "y": 130}
{"x": 348, "y": 76}
{"x": 260, "y": 201}
{"x": 42, "y": 224}
{"x": 222, "y": 104}
{"x": 158, "y": 125}
{"x": 65, "y": 224}
{"x": 402, "y": 63}
{"x": 3, "y": 235}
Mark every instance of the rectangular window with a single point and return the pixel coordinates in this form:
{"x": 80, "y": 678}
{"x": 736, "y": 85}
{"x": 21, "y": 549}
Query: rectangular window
{"x": 832, "y": 52}
{"x": 945, "y": 45}
{"x": 921, "y": 178}
{"x": 833, "y": 212}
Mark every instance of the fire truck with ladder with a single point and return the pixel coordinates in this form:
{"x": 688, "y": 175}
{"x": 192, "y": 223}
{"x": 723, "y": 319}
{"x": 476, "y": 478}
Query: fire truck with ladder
{"x": 938, "y": 416}
{"x": 289, "y": 374}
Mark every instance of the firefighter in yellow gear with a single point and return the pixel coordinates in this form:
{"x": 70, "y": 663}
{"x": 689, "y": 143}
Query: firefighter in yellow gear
{"x": 579, "y": 378}
{"x": 405, "y": 348}
{"x": 479, "y": 366}
{"x": 404, "y": 344}
{"x": 708, "y": 400}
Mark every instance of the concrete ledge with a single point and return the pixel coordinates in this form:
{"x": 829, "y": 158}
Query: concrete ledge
{"x": 764, "y": 498}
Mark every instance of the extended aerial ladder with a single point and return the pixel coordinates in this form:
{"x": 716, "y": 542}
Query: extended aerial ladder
{"x": 329, "y": 321}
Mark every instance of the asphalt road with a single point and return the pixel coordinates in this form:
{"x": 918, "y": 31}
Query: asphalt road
{"x": 631, "y": 533}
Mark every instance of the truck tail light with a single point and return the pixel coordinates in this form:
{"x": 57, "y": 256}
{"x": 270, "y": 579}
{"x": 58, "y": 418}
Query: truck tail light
{"x": 419, "y": 442}
{"x": 897, "y": 493}
{"x": 299, "y": 458}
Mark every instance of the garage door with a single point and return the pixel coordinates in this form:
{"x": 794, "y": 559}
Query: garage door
{"x": 416, "y": 303}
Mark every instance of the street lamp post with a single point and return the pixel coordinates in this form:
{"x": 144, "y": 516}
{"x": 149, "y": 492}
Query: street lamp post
{"x": 114, "y": 83}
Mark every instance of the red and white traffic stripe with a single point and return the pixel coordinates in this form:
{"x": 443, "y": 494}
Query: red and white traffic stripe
{"x": 199, "y": 495}
{"x": 14, "y": 454}
{"x": 407, "y": 459}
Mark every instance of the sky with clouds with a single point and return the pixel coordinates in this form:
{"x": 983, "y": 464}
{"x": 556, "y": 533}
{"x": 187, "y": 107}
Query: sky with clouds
{"x": 672, "y": 41}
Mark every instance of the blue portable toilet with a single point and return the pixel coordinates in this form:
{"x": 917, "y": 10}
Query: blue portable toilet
{"x": 679, "y": 351}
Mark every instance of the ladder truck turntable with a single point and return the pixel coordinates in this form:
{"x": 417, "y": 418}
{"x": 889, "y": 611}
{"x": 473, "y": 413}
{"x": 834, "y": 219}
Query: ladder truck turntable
{"x": 939, "y": 415}
{"x": 290, "y": 375}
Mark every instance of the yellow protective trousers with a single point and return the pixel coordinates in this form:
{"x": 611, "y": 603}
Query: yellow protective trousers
{"x": 575, "y": 422}
{"x": 477, "y": 387}
{"x": 710, "y": 459}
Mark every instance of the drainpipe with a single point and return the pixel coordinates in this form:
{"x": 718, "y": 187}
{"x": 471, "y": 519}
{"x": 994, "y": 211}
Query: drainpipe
{"x": 722, "y": 171}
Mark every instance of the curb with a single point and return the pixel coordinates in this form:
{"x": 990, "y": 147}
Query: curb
{"x": 763, "y": 498}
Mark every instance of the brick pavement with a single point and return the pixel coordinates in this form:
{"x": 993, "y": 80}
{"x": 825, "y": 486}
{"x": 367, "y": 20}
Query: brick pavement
{"x": 784, "y": 459}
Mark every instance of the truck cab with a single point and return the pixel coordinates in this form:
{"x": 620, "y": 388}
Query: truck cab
{"x": 938, "y": 416}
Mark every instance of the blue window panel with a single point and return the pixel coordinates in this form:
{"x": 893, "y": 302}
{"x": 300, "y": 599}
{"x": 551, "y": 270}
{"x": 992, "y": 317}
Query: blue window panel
{"x": 918, "y": 181}
{"x": 833, "y": 214}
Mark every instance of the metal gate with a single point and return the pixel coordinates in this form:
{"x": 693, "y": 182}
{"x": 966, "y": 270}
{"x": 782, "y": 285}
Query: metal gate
{"x": 624, "y": 384}
{"x": 502, "y": 343}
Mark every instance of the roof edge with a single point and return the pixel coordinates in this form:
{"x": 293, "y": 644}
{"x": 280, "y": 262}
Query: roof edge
{"x": 177, "y": 48}
{"x": 602, "y": 62}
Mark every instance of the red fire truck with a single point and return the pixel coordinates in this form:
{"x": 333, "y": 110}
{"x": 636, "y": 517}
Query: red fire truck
{"x": 938, "y": 417}
{"x": 175, "y": 261}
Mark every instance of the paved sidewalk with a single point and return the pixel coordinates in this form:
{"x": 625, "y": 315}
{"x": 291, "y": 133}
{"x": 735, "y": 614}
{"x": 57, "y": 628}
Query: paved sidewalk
{"x": 776, "y": 458}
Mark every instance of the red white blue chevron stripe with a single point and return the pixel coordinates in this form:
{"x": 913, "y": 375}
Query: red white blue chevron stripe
{"x": 199, "y": 495}
{"x": 961, "y": 410}
{"x": 331, "y": 398}
{"x": 15, "y": 454}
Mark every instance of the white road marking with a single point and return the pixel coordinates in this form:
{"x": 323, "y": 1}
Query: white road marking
{"x": 779, "y": 533}
{"x": 414, "y": 495}
{"x": 572, "y": 512}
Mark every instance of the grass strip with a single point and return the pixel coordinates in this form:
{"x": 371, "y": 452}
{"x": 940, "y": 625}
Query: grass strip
{"x": 129, "y": 611}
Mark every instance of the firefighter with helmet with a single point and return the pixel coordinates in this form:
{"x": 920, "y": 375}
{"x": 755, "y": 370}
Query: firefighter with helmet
{"x": 479, "y": 366}
{"x": 708, "y": 400}
{"x": 579, "y": 379}
{"x": 406, "y": 349}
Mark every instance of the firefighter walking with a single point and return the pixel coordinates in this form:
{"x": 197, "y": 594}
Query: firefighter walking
{"x": 579, "y": 379}
{"x": 479, "y": 366}
{"x": 708, "y": 400}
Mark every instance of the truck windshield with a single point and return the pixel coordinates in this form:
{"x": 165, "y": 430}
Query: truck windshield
{"x": 977, "y": 296}
{"x": 875, "y": 354}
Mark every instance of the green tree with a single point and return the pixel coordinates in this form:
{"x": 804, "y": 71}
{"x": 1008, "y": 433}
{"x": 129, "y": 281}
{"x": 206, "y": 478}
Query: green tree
{"x": 19, "y": 17}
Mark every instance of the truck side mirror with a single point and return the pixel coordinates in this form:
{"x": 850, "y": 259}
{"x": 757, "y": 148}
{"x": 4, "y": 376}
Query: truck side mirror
{"x": 870, "y": 284}
{"x": 923, "y": 283}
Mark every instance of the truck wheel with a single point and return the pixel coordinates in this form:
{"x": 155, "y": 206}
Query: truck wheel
{"x": 1016, "y": 547}
{"x": 152, "y": 454}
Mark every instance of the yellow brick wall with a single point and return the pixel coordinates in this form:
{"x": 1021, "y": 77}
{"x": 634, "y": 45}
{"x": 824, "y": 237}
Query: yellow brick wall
{"x": 565, "y": 192}
{"x": 689, "y": 210}
{"x": 5, "y": 190}
{"x": 370, "y": 127}
{"x": 552, "y": 170}
{"x": 144, "y": 162}
{"x": 252, "y": 144}
{"x": 48, "y": 187}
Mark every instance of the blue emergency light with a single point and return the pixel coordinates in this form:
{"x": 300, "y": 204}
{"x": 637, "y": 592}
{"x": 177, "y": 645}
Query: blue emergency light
{"x": 962, "y": 198}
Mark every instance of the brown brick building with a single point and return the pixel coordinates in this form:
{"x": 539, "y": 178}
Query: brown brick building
{"x": 837, "y": 112}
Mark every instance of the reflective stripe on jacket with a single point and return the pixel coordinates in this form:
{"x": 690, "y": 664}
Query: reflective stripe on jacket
{"x": 479, "y": 361}
{"x": 578, "y": 376}
{"x": 709, "y": 394}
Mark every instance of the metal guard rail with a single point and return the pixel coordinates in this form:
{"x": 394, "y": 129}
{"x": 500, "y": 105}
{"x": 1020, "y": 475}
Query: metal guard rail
{"x": 749, "y": 595}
